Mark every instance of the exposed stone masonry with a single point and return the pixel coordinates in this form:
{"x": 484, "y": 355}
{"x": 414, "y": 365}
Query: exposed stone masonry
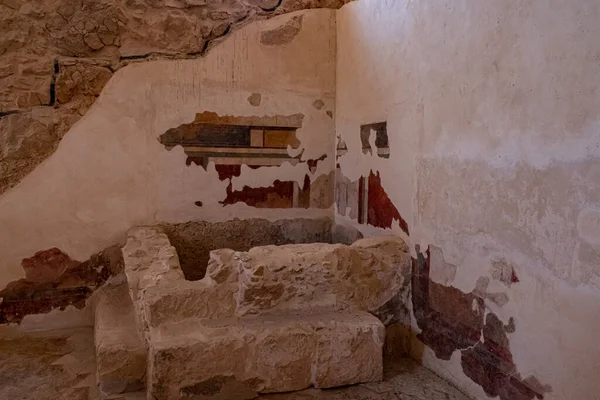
{"x": 55, "y": 58}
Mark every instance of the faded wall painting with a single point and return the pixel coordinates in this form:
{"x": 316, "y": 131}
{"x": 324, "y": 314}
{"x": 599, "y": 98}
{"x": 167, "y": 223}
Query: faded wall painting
{"x": 365, "y": 200}
{"x": 257, "y": 142}
{"x": 379, "y": 132}
{"x": 231, "y": 142}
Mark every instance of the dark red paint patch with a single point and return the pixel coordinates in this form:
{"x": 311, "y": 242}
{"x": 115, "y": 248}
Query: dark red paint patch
{"x": 514, "y": 278}
{"x": 72, "y": 287}
{"x": 451, "y": 320}
{"x": 279, "y": 195}
{"x": 228, "y": 171}
{"x": 381, "y": 211}
{"x": 490, "y": 364}
{"x": 47, "y": 265}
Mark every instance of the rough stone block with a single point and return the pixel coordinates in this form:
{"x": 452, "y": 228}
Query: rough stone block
{"x": 277, "y": 353}
{"x": 349, "y": 351}
{"x": 187, "y": 358}
{"x": 282, "y": 354}
{"x": 364, "y": 276}
{"x": 150, "y": 261}
{"x": 175, "y": 302}
{"x": 120, "y": 352}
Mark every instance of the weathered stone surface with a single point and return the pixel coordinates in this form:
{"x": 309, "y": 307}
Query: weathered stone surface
{"x": 349, "y": 353}
{"x": 265, "y": 354}
{"x": 159, "y": 290}
{"x": 120, "y": 352}
{"x": 284, "y": 34}
{"x": 81, "y": 81}
{"x": 403, "y": 380}
{"x": 61, "y": 54}
{"x": 149, "y": 260}
{"x": 48, "y": 365}
{"x": 364, "y": 275}
{"x": 289, "y": 316}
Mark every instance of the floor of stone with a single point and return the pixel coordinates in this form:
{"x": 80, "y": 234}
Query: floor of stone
{"x": 60, "y": 365}
{"x": 403, "y": 380}
{"x": 57, "y": 365}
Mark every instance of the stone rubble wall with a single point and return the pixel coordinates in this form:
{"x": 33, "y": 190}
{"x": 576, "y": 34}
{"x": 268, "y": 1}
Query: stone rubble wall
{"x": 57, "y": 56}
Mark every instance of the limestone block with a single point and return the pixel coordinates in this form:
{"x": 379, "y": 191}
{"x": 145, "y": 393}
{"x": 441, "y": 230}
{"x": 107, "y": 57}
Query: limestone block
{"x": 393, "y": 269}
{"x": 275, "y": 353}
{"x": 363, "y": 276}
{"x": 120, "y": 352}
{"x": 186, "y": 357}
{"x": 184, "y": 299}
{"x": 349, "y": 351}
{"x": 282, "y": 355}
{"x": 170, "y": 298}
{"x": 316, "y": 276}
{"x": 149, "y": 261}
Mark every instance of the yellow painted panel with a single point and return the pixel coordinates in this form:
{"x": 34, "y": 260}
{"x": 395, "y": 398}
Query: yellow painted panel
{"x": 280, "y": 139}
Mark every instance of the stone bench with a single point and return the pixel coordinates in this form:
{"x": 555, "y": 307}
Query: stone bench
{"x": 265, "y": 354}
{"x": 272, "y": 319}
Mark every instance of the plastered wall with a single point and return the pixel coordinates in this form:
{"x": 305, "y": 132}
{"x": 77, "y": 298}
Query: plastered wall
{"x": 110, "y": 172}
{"x": 493, "y": 118}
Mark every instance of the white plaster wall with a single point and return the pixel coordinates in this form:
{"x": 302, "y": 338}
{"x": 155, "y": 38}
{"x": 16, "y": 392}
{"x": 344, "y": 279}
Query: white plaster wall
{"x": 493, "y": 113}
{"x": 110, "y": 173}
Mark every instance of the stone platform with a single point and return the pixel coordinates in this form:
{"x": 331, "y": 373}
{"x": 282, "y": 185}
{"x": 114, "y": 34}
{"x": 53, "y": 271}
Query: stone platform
{"x": 269, "y": 320}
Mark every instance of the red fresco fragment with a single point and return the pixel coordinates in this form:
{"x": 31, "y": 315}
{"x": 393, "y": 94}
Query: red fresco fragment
{"x": 381, "y": 211}
{"x": 228, "y": 171}
{"x": 451, "y": 320}
{"x": 514, "y": 278}
{"x": 71, "y": 288}
{"x": 278, "y": 195}
{"x": 47, "y": 265}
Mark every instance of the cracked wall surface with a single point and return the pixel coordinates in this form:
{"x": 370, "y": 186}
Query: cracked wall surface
{"x": 111, "y": 172}
{"x": 493, "y": 125}
{"x": 55, "y": 57}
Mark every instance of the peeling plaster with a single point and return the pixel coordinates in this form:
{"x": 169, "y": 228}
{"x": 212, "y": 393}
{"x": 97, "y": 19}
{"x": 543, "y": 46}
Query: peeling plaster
{"x": 493, "y": 161}
{"x": 110, "y": 172}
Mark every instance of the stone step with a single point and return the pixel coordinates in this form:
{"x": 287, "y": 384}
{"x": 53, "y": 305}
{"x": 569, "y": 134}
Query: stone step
{"x": 120, "y": 351}
{"x": 236, "y": 358}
